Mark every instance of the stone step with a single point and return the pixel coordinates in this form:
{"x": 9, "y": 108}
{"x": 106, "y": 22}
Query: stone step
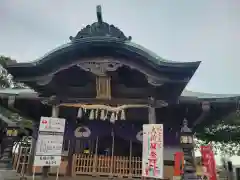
{"x": 5, "y": 165}
{"x": 8, "y": 174}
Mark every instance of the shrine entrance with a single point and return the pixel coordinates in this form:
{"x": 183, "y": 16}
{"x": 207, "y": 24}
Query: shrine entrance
{"x": 110, "y": 153}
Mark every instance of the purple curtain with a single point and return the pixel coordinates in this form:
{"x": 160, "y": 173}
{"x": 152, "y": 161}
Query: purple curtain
{"x": 127, "y": 131}
{"x": 89, "y": 130}
{"x": 132, "y": 132}
{"x": 121, "y": 129}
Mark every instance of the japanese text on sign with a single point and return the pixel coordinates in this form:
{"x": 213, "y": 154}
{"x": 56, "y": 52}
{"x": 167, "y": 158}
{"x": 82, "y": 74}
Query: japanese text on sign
{"x": 47, "y": 160}
{"x": 152, "y": 164}
{"x": 50, "y": 124}
{"x": 49, "y": 142}
{"x": 49, "y": 145}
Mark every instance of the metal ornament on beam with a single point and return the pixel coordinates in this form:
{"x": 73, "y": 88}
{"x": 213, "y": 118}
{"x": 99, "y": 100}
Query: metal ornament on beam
{"x": 99, "y": 67}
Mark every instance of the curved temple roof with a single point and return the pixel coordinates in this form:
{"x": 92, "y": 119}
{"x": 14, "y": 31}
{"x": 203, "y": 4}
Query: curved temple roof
{"x": 96, "y": 40}
{"x": 186, "y": 95}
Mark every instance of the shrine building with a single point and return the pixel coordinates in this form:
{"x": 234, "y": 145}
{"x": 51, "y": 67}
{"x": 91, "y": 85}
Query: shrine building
{"x": 106, "y": 87}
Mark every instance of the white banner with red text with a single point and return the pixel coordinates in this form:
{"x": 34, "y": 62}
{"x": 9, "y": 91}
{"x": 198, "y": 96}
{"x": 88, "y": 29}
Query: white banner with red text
{"x": 152, "y": 154}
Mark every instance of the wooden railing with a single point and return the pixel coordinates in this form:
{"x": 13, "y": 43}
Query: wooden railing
{"x": 97, "y": 165}
{"x": 21, "y": 159}
{"x": 119, "y": 166}
{"x": 21, "y": 162}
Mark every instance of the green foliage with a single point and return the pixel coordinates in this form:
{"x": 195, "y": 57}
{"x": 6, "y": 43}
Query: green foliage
{"x": 225, "y": 130}
{"x": 6, "y": 80}
{"x": 4, "y": 60}
{"x": 224, "y": 135}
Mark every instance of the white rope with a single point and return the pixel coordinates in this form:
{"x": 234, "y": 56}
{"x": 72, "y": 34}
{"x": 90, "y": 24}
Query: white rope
{"x": 105, "y": 107}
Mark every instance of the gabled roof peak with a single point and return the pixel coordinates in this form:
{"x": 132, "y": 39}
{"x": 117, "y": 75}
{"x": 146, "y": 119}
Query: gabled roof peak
{"x": 100, "y": 29}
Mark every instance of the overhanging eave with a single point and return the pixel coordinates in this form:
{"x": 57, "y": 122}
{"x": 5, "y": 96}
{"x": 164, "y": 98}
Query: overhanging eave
{"x": 73, "y": 52}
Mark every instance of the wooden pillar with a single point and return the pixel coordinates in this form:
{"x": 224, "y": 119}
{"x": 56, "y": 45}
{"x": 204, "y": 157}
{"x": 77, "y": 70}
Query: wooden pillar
{"x": 95, "y": 157}
{"x": 151, "y": 115}
{"x": 151, "y": 112}
{"x": 46, "y": 169}
{"x": 55, "y": 111}
{"x": 33, "y": 149}
{"x": 71, "y": 152}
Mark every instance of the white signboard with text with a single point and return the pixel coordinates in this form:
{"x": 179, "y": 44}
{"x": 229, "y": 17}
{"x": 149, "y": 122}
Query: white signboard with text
{"x": 47, "y": 160}
{"x": 50, "y": 124}
{"x": 49, "y": 145}
{"x": 152, "y": 154}
{"x": 49, "y": 142}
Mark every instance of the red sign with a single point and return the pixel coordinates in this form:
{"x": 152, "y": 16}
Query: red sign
{"x": 208, "y": 161}
{"x": 44, "y": 121}
{"x": 178, "y": 163}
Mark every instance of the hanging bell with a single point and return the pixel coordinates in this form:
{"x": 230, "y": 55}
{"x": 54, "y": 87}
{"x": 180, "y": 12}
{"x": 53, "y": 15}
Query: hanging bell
{"x": 91, "y": 116}
{"x": 80, "y": 113}
{"x": 123, "y": 116}
{"x": 112, "y": 118}
{"x": 102, "y": 115}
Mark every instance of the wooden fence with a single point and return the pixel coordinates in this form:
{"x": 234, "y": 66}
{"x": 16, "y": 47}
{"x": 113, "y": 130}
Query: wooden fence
{"x": 111, "y": 166}
{"x": 95, "y": 165}
{"x": 21, "y": 159}
{"x": 21, "y": 162}
{"x": 100, "y": 165}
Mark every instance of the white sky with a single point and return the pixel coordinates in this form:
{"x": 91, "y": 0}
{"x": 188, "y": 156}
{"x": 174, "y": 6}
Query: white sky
{"x": 185, "y": 30}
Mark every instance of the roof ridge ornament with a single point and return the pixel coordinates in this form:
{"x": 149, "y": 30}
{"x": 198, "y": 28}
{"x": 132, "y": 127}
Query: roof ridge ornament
{"x": 99, "y": 14}
{"x": 100, "y": 29}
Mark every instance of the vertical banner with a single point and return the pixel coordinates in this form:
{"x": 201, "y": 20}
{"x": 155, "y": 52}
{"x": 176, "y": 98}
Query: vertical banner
{"x": 208, "y": 161}
{"x": 178, "y": 163}
{"x": 152, "y": 157}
